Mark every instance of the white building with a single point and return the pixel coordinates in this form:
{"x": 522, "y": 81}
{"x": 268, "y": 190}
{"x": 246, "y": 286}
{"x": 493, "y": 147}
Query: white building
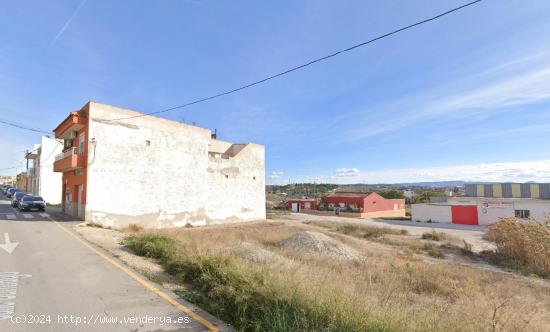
{"x": 481, "y": 210}
{"x": 121, "y": 167}
{"x": 43, "y": 181}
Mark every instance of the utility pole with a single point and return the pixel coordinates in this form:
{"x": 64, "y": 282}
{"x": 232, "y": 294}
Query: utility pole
{"x": 27, "y": 175}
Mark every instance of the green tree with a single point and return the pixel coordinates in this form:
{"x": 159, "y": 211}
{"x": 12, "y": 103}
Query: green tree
{"x": 391, "y": 194}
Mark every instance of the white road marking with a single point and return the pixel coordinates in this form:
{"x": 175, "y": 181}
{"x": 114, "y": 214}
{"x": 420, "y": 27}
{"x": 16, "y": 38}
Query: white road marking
{"x": 28, "y": 215}
{"x": 10, "y": 216}
{"x": 9, "y": 246}
{"x": 45, "y": 215}
{"x": 8, "y": 292}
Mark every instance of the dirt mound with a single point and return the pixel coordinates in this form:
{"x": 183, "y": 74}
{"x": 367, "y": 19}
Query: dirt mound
{"x": 256, "y": 254}
{"x": 318, "y": 244}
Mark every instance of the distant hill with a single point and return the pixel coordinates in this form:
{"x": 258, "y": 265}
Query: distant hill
{"x": 433, "y": 184}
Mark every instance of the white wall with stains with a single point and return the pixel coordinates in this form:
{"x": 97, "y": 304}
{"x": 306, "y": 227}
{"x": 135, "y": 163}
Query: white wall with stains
{"x": 159, "y": 173}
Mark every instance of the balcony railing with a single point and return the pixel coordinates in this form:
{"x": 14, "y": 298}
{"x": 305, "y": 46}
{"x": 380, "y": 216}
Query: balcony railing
{"x": 67, "y": 153}
{"x": 69, "y": 160}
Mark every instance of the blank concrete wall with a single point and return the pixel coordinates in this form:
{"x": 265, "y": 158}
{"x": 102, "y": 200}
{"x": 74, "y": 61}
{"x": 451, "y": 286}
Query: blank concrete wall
{"x": 433, "y": 212}
{"x": 237, "y": 186}
{"x": 146, "y": 171}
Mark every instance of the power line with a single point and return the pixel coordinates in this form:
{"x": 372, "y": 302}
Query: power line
{"x": 3, "y": 169}
{"x": 24, "y": 127}
{"x": 288, "y": 71}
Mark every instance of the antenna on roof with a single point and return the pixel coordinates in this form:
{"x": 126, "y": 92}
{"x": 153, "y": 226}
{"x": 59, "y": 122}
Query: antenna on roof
{"x": 215, "y": 134}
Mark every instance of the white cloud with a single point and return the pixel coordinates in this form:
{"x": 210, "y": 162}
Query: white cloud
{"x": 346, "y": 172}
{"x": 276, "y": 174}
{"x": 538, "y": 170}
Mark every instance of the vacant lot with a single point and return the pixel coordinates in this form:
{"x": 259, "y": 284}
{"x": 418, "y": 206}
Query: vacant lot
{"x": 286, "y": 275}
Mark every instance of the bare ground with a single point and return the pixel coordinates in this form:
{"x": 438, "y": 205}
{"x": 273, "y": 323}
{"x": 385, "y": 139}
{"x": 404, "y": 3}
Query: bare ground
{"x": 283, "y": 246}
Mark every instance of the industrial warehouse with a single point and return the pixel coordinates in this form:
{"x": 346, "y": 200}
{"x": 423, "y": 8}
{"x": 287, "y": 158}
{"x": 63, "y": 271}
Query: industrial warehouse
{"x": 486, "y": 204}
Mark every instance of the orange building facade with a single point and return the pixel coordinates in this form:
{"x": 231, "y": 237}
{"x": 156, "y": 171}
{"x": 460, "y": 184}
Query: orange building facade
{"x": 72, "y": 162}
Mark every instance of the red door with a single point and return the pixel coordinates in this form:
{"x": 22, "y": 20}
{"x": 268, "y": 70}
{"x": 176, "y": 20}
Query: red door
{"x": 464, "y": 214}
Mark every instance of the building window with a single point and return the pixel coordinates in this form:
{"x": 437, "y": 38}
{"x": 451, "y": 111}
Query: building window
{"x": 81, "y": 144}
{"x": 253, "y": 178}
{"x": 523, "y": 214}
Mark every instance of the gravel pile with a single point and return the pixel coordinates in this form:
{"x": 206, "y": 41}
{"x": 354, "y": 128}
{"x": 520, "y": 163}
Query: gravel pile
{"x": 318, "y": 244}
{"x": 257, "y": 255}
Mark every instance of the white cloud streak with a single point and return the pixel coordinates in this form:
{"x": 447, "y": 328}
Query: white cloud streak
{"x": 68, "y": 22}
{"x": 346, "y": 172}
{"x": 519, "y": 83}
{"x": 538, "y": 170}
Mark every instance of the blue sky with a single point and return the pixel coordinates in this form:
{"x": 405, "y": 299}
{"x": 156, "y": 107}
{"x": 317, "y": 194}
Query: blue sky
{"x": 466, "y": 97}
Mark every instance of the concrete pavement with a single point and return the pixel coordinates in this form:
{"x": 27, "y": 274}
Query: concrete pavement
{"x": 53, "y": 282}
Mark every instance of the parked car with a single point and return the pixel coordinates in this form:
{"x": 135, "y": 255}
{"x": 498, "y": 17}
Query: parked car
{"x": 16, "y": 198}
{"x": 32, "y": 203}
{"x": 11, "y": 191}
{"x": 5, "y": 188}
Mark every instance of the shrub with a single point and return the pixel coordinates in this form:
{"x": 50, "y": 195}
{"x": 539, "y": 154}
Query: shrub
{"x": 433, "y": 251}
{"x": 133, "y": 228}
{"x": 364, "y": 231}
{"x": 152, "y": 245}
{"x": 433, "y": 235}
{"x": 524, "y": 243}
{"x": 467, "y": 249}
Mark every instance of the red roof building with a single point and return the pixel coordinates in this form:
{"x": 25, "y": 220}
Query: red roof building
{"x": 368, "y": 204}
{"x": 296, "y": 205}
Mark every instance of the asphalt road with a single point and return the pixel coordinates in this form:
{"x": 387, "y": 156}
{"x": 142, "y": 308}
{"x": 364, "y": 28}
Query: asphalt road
{"x": 53, "y": 282}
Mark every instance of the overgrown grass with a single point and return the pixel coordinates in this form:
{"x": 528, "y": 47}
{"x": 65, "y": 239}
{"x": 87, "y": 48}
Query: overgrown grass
{"x": 432, "y": 250}
{"x": 466, "y": 249}
{"x": 152, "y": 277}
{"x": 386, "y": 290}
{"x": 245, "y": 297}
{"x": 434, "y": 236}
{"x": 152, "y": 245}
{"x": 359, "y": 230}
{"x": 365, "y": 231}
{"x": 133, "y": 228}
{"x": 521, "y": 245}
{"x": 96, "y": 225}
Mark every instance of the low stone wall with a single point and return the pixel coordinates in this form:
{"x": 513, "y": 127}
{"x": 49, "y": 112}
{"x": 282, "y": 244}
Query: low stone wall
{"x": 377, "y": 214}
{"x": 385, "y": 214}
{"x": 331, "y": 213}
